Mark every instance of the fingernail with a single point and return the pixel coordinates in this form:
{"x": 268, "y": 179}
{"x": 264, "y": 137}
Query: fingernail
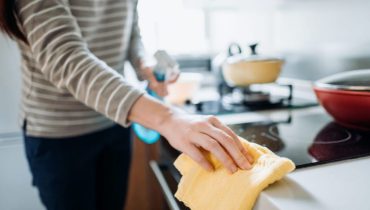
{"x": 246, "y": 165}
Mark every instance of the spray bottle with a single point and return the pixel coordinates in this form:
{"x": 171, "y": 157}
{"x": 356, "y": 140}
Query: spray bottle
{"x": 165, "y": 68}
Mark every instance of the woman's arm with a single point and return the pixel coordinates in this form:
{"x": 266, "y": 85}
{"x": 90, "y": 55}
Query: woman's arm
{"x": 190, "y": 133}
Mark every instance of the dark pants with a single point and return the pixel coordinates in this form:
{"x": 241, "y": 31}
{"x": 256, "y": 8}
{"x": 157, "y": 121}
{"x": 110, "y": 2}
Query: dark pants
{"x": 89, "y": 172}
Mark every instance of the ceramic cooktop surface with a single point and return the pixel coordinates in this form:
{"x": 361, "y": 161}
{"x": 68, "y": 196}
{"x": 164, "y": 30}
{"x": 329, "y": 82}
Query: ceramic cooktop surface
{"x": 308, "y": 140}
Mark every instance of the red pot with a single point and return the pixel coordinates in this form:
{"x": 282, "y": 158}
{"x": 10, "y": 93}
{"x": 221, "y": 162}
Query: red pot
{"x": 346, "y": 97}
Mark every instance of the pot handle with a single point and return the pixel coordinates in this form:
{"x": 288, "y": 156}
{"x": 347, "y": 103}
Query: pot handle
{"x": 235, "y": 49}
{"x": 253, "y": 48}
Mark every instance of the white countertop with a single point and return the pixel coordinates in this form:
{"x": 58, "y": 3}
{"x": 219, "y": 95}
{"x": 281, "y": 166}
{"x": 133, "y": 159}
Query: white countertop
{"x": 341, "y": 185}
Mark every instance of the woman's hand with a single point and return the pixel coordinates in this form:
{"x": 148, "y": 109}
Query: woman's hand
{"x": 189, "y": 133}
{"x": 160, "y": 88}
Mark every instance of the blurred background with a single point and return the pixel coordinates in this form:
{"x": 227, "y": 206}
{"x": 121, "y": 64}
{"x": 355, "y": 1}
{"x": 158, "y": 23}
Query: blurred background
{"x": 315, "y": 37}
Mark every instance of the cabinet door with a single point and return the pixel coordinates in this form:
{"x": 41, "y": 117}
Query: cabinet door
{"x": 16, "y": 192}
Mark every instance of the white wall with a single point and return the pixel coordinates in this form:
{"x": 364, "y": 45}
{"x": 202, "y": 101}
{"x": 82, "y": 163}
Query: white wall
{"x": 293, "y": 24}
{"x": 334, "y": 33}
{"x": 316, "y": 24}
{"x": 10, "y": 85}
{"x": 317, "y": 37}
{"x": 167, "y": 24}
{"x": 16, "y": 192}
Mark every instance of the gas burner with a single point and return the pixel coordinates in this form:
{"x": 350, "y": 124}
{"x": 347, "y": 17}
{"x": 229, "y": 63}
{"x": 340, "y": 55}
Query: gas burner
{"x": 238, "y": 100}
{"x": 245, "y": 96}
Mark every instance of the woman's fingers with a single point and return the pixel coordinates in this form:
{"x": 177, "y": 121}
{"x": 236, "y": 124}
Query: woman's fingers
{"x": 226, "y": 129}
{"x": 159, "y": 87}
{"x": 194, "y": 153}
{"x": 229, "y": 144}
{"x": 188, "y": 133}
{"x": 211, "y": 145}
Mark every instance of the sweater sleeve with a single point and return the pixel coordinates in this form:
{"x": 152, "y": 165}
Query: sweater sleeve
{"x": 64, "y": 58}
{"x": 137, "y": 53}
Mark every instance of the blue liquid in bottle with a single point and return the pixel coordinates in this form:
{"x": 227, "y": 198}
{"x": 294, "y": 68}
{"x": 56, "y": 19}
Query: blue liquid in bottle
{"x": 147, "y": 135}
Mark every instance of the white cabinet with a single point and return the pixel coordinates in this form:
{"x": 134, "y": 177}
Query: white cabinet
{"x": 16, "y": 192}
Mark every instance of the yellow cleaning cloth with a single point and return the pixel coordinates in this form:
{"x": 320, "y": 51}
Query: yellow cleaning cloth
{"x": 219, "y": 190}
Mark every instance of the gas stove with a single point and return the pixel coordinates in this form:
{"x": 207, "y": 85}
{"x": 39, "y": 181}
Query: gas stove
{"x": 251, "y": 98}
{"x": 254, "y": 95}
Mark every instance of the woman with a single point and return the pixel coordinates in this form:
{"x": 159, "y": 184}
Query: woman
{"x": 76, "y": 107}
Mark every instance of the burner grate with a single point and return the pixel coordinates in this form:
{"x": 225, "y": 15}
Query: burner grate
{"x": 245, "y": 96}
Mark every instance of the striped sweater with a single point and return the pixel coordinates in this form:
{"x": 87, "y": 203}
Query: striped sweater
{"x": 72, "y": 82}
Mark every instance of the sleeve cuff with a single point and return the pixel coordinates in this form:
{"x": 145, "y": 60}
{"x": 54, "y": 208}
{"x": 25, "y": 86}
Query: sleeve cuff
{"x": 134, "y": 96}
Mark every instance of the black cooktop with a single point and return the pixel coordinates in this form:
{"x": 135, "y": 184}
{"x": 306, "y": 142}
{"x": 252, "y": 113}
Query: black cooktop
{"x": 308, "y": 140}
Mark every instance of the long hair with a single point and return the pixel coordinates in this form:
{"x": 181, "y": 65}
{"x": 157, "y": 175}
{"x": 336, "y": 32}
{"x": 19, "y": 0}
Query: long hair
{"x": 8, "y": 20}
